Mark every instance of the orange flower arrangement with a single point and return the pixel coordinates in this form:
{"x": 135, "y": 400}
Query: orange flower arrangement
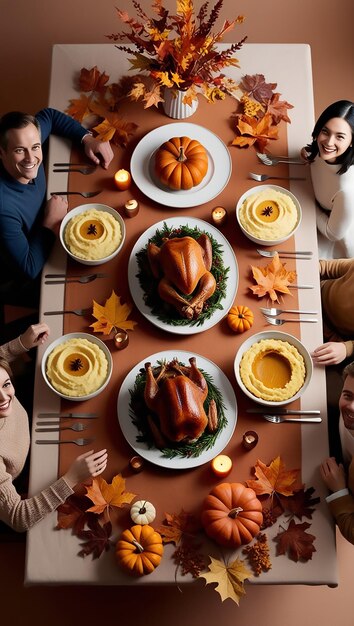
{"x": 179, "y": 52}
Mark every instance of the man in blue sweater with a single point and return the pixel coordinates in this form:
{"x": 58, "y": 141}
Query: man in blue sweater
{"x": 29, "y": 224}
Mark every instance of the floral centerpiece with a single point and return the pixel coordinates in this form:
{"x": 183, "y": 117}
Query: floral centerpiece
{"x": 179, "y": 52}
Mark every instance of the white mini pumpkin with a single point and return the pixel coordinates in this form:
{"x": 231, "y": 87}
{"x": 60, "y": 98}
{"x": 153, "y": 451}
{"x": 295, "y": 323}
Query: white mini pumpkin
{"x": 142, "y": 512}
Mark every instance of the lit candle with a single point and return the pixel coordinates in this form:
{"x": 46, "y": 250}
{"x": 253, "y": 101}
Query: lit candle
{"x": 122, "y": 180}
{"x": 121, "y": 339}
{"x": 136, "y": 463}
{"x": 221, "y": 465}
{"x": 131, "y": 208}
{"x": 219, "y": 216}
{"x": 250, "y": 439}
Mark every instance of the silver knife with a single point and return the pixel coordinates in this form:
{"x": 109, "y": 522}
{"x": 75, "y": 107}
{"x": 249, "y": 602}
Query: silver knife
{"x": 276, "y": 411}
{"x": 69, "y": 415}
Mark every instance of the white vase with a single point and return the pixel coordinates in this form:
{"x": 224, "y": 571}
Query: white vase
{"x": 174, "y": 106}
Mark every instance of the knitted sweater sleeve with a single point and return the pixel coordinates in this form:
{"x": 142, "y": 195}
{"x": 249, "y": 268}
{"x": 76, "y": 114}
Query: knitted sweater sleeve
{"x": 335, "y": 224}
{"x": 342, "y": 509}
{"x": 10, "y": 351}
{"x": 23, "y": 514}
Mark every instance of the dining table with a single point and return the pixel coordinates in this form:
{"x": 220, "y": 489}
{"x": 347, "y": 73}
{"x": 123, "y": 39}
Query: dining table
{"x": 176, "y": 485}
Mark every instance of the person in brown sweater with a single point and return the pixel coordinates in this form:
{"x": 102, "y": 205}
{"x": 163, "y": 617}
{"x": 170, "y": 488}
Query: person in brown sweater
{"x": 21, "y": 514}
{"x": 339, "y": 478}
{"x": 337, "y": 295}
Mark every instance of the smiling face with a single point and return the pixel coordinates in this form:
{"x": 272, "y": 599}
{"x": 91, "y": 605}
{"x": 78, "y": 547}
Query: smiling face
{"x": 7, "y": 393}
{"x": 23, "y": 153}
{"x": 346, "y": 402}
{"x": 334, "y": 139}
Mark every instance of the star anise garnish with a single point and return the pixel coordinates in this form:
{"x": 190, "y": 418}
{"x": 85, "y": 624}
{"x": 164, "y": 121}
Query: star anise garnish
{"x": 92, "y": 230}
{"x": 267, "y": 211}
{"x": 76, "y": 365}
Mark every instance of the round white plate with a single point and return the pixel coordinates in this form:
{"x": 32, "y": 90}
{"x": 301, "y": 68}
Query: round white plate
{"x": 216, "y": 178}
{"x": 154, "y": 455}
{"x": 229, "y": 260}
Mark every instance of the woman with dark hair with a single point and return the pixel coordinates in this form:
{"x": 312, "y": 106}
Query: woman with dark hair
{"x": 21, "y": 514}
{"x": 331, "y": 157}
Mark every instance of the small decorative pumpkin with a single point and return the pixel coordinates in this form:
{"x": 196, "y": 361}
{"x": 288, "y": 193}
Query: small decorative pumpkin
{"x": 240, "y": 318}
{"x": 139, "y": 549}
{"x": 181, "y": 163}
{"x": 232, "y": 514}
{"x": 142, "y": 512}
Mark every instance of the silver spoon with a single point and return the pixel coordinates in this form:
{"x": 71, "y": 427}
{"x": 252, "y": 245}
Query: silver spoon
{"x": 277, "y": 419}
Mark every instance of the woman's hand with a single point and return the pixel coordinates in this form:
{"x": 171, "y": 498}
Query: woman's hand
{"x": 330, "y": 353}
{"x": 35, "y": 335}
{"x": 333, "y": 475}
{"x": 88, "y": 464}
{"x": 93, "y": 146}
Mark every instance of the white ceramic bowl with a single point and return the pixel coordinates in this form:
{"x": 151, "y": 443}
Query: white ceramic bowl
{"x": 273, "y": 334}
{"x": 81, "y": 209}
{"x": 268, "y": 242}
{"x": 90, "y": 338}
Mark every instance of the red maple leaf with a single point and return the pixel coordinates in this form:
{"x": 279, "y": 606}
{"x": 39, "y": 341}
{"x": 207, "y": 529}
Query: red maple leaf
{"x": 256, "y": 87}
{"x": 296, "y": 542}
{"x": 300, "y": 504}
{"x": 97, "y": 538}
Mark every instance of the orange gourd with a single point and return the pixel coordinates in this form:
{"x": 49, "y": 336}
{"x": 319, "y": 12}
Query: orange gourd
{"x": 232, "y": 514}
{"x": 139, "y": 549}
{"x": 240, "y": 318}
{"x": 181, "y": 163}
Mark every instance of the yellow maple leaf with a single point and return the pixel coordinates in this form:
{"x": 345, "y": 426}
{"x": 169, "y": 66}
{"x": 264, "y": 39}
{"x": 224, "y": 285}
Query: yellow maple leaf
{"x": 272, "y": 278}
{"x": 164, "y": 78}
{"x": 105, "y": 495}
{"x": 176, "y": 79}
{"x": 112, "y": 315}
{"x": 137, "y": 91}
{"x": 79, "y": 108}
{"x": 153, "y": 97}
{"x": 229, "y": 578}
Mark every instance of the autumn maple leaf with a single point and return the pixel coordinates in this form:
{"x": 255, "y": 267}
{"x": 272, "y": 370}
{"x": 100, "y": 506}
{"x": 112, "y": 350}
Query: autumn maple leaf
{"x": 278, "y": 109}
{"x": 176, "y": 526}
{"x": 273, "y": 478}
{"x": 114, "y": 128}
{"x": 73, "y": 513}
{"x": 106, "y": 495}
{"x": 253, "y": 130}
{"x": 92, "y": 80}
{"x": 97, "y": 538}
{"x": 229, "y": 578}
{"x": 256, "y": 87}
{"x": 79, "y": 108}
{"x": 296, "y": 542}
{"x": 300, "y": 504}
{"x": 272, "y": 278}
{"x": 112, "y": 315}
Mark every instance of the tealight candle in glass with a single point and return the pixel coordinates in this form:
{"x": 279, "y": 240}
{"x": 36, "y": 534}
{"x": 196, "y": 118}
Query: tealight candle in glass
{"x": 131, "y": 208}
{"x": 221, "y": 465}
{"x": 250, "y": 439}
{"x": 219, "y": 216}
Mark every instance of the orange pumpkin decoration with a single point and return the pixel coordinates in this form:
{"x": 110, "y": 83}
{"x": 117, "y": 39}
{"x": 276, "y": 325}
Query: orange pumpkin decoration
{"x": 139, "y": 549}
{"x": 181, "y": 163}
{"x": 232, "y": 514}
{"x": 240, "y": 318}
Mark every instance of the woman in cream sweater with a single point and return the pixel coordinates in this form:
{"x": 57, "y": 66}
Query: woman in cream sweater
{"x": 21, "y": 514}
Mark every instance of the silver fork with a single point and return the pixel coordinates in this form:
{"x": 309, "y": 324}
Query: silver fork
{"x": 267, "y": 159}
{"x": 276, "y": 321}
{"x": 82, "y": 170}
{"x": 288, "y": 253}
{"x": 274, "y": 312}
{"x": 82, "y": 312}
{"x": 83, "y": 279}
{"x": 262, "y": 177}
{"x": 77, "y": 427}
{"x": 277, "y": 419}
{"x": 85, "y": 194}
{"x": 78, "y": 442}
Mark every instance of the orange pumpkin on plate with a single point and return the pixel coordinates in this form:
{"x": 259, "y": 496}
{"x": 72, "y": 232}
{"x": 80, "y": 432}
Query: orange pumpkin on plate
{"x": 232, "y": 514}
{"x": 181, "y": 163}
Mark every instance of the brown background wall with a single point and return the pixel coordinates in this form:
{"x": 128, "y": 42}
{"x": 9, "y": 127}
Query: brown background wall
{"x": 28, "y": 29}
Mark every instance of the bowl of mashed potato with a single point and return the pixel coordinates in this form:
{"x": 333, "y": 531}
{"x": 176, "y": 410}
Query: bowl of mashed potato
{"x": 77, "y": 366}
{"x": 92, "y": 234}
{"x": 273, "y": 368}
{"x": 268, "y": 214}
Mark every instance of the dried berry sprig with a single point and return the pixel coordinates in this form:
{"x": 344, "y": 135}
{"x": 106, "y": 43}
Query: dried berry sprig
{"x": 258, "y": 555}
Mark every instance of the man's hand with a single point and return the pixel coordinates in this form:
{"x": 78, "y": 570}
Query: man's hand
{"x": 333, "y": 475}
{"x": 330, "y": 353}
{"x": 54, "y": 212}
{"x": 103, "y": 148}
